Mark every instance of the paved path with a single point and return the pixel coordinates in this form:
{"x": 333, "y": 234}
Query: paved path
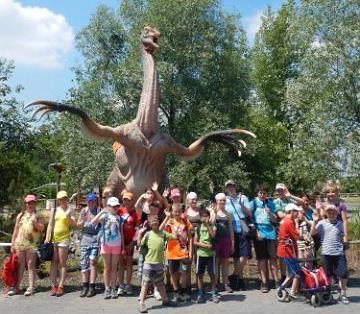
{"x": 239, "y": 302}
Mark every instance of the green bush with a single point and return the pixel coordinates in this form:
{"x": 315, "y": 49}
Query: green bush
{"x": 354, "y": 225}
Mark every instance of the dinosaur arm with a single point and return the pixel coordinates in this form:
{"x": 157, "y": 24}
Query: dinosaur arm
{"x": 226, "y": 137}
{"x": 91, "y": 127}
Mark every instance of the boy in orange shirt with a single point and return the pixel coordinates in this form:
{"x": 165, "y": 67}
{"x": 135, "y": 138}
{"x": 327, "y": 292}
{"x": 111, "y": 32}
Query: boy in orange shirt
{"x": 179, "y": 250}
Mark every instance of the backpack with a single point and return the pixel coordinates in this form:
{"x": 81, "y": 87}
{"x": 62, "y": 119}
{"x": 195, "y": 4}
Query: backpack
{"x": 9, "y": 271}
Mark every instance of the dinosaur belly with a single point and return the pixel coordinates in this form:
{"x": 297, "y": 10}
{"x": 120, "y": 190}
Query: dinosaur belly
{"x": 139, "y": 169}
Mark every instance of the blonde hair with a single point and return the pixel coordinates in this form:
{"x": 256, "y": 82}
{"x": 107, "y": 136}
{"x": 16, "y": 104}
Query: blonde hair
{"x": 332, "y": 185}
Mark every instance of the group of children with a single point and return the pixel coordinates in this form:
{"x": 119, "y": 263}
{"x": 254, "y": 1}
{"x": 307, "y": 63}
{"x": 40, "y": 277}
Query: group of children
{"x": 170, "y": 238}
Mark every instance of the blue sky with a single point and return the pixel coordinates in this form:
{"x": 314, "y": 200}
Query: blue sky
{"x": 44, "y": 49}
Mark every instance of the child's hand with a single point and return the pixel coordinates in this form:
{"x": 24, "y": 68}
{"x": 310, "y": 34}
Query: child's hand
{"x": 316, "y": 217}
{"x": 155, "y": 186}
{"x": 166, "y": 192}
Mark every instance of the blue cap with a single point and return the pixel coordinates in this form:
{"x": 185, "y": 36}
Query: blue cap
{"x": 90, "y": 197}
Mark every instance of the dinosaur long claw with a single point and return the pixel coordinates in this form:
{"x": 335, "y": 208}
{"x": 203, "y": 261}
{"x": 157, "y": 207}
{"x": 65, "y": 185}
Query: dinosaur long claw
{"x": 243, "y": 143}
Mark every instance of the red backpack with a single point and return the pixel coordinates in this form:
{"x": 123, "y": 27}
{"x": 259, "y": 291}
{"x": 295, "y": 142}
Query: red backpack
{"x": 313, "y": 279}
{"x": 9, "y": 271}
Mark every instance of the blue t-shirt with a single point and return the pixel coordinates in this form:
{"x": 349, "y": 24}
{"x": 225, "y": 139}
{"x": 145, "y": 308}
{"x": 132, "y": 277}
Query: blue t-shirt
{"x": 261, "y": 217}
{"x": 309, "y": 214}
{"x": 241, "y": 215}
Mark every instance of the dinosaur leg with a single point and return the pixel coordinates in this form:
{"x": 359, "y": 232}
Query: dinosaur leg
{"x": 114, "y": 184}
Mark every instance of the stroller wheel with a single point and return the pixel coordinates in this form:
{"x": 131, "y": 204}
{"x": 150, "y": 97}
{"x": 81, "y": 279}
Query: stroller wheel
{"x": 282, "y": 295}
{"x": 326, "y": 297}
{"x": 315, "y": 300}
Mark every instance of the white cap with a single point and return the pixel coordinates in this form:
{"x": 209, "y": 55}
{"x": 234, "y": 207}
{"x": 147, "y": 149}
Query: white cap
{"x": 191, "y": 196}
{"x": 220, "y": 196}
{"x": 113, "y": 201}
{"x": 290, "y": 207}
{"x": 280, "y": 186}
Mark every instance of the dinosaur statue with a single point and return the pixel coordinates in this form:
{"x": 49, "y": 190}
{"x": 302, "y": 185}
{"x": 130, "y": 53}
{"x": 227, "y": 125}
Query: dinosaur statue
{"x": 140, "y": 158}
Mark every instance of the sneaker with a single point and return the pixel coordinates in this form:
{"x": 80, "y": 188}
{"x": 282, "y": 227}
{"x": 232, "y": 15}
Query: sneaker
{"x": 175, "y": 297}
{"x": 142, "y": 308}
{"x": 121, "y": 290}
{"x": 215, "y": 298}
{"x": 60, "y": 291}
{"x": 53, "y": 291}
{"x": 29, "y": 292}
{"x": 129, "y": 290}
{"x": 114, "y": 294}
{"x": 186, "y": 297}
{"x": 227, "y": 288}
{"x": 13, "y": 291}
{"x": 107, "y": 294}
{"x": 344, "y": 299}
{"x": 264, "y": 288}
{"x": 84, "y": 292}
{"x": 157, "y": 295}
{"x": 200, "y": 298}
{"x": 91, "y": 293}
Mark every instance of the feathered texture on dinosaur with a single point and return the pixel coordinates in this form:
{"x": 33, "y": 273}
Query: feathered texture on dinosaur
{"x": 140, "y": 158}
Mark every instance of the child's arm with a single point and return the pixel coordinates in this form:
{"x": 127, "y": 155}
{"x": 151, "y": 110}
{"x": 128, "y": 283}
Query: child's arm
{"x": 345, "y": 225}
{"x": 139, "y": 203}
{"x": 98, "y": 218}
{"x": 313, "y": 229}
{"x": 166, "y": 220}
{"x": 200, "y": 244}
{"x": 122, "y": 236}
{"x": 15, "y": 232}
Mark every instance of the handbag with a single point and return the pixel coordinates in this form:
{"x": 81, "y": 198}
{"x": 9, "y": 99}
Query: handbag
{"x": 244, "y": 227}
{"x": 45, "y": 251}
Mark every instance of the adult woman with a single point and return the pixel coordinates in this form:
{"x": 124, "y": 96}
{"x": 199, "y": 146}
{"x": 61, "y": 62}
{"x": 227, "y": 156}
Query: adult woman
{"x": 224, "y": 238}
{"x": 112, "y": 243}
{"x": 58, "y": 232}
{"x": 263, "y": 210}
{"x": 25, "y": 239}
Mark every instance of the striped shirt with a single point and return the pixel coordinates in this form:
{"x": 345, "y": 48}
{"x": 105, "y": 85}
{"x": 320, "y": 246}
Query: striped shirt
{"x": 331, "y": 236}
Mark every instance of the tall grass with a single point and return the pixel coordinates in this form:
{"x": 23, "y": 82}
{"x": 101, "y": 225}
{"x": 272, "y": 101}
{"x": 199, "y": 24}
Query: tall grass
{"x": 354, "y": 225}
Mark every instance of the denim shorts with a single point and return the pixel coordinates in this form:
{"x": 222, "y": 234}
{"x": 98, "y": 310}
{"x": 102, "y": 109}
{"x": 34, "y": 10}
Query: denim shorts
{"x": 87, "y": 253}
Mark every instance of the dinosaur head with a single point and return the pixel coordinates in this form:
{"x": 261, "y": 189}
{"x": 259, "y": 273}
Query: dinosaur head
{"x": 150, "y": 39}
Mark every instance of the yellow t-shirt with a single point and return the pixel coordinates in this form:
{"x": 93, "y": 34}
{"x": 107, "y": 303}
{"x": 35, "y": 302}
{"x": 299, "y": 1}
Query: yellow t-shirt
{"x": 27, "y": 236}
{"x": 61, "y": 226}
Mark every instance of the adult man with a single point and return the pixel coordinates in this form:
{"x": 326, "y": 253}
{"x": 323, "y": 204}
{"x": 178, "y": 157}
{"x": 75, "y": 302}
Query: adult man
{"x": 89, "y": 246}
{"x": 238, "y": 206}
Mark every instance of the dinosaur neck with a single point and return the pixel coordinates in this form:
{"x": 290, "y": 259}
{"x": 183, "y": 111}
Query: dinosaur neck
{"x": 147, "y": 115}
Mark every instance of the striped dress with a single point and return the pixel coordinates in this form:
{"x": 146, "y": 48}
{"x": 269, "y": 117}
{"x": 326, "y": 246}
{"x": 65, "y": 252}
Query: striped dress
{"x": 331, "y": 237}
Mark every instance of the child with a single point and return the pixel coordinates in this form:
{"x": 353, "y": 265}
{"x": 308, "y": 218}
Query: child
{"x": 89, "y": 246}
{"x": 205, "y": 256}
{"x": 306, "y": 244}
{"x": 112, "y": 243}
{"x": 179, "y": 250}
{"x": 153, "y": 242}
{"x": 129, "y": 216}
{"x": 287, "y": 248}
{"x": 331, "y": 232}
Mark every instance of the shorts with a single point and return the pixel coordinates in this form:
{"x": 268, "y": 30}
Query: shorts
{"x": 87, "y": 253}
{"x": 223, "y": 247}
{"x": 65, "y": 243}
{"x": 176, "y": 265}
{"x": 265, "y": 249}
{"x": 242, "y": 246}
{"x": 203, "y": 262}
{"x": 152, "y": 276}
{"x": 109, "y": 249}
{"x": 335, "y": 265}
{"x": 293, "y": 267}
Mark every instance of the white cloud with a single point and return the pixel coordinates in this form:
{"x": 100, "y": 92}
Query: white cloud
{"x": 33, "y": 35}
{"x": 252, "y": 25}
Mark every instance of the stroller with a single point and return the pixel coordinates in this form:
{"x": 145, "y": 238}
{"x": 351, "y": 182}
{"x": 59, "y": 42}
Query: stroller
{"x": 314, "y": 284}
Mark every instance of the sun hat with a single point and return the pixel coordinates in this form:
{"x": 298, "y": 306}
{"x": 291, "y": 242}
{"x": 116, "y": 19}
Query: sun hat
{"x": 280, "y": 186}
{"x": 128, "y": 195}
{"x": 230, "y": 182}
{"x": 30, "y": 198}
{"x": 61, "y": 194}
{"x": 175, "y": 192}
{"x": 191, "y": 196}
{"x": 290, "y": 207}
{"x": 113, "y": 201}
{"x": 90, "y": 197}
